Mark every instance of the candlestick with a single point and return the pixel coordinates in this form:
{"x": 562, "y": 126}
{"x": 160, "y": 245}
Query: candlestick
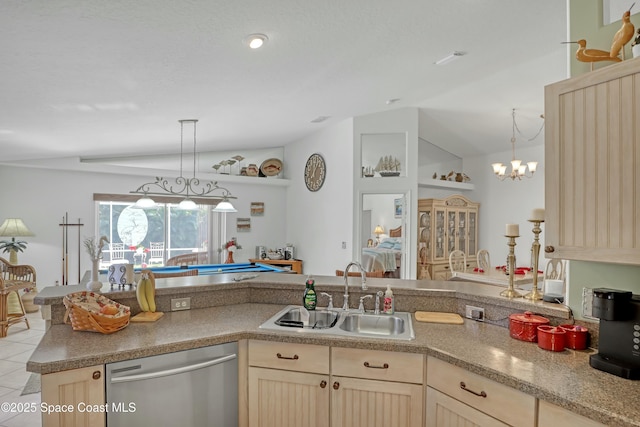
{"x": 511, "y": 261}
{"x": 512, "y": 230}
{"x": 537, "y": 215}
{"x": 535, "y": 294}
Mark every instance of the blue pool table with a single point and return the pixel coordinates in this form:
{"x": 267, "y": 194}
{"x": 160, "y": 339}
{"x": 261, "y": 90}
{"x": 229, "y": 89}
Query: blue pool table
{"x": 205, "y": 269}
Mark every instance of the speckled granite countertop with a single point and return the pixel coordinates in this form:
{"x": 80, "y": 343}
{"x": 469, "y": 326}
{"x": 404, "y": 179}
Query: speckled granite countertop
{"x": 564, "y": 378}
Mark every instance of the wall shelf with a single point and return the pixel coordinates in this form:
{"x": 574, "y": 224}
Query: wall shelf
{"x": 438, "y": 183}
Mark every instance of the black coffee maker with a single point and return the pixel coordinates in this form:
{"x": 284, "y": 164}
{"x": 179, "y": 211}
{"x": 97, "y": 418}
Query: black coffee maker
{"x": 619, "y": 342}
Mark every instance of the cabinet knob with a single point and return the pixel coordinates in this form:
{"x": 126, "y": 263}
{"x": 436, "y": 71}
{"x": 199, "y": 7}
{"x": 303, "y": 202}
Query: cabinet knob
{"x": 549, "y": 249}
{"x": 336, "y": 385}
{"x": 323, "y": 384}
{"x": 96, "y": 375}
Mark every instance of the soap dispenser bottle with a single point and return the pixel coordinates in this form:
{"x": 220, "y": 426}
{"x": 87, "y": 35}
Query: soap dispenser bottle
{"x": 310, "y": 298}
{"x": 388, "y": 306}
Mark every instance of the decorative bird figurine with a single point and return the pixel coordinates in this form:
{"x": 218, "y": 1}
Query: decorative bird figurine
{"x": 592, "y": 55}
{"x": 623, "y": 35}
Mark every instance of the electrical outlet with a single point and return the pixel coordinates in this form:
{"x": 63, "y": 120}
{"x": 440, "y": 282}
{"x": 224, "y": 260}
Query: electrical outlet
{"x": 587, "y": 303}
{"x": 344, "y": 245}
{"x": 474, "y": 313}
{"x": 180, "y": 304}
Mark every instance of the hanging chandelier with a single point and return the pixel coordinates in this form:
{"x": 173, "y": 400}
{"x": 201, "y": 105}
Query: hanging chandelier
{"x": 185, "y": 187}
{"x": 518, "y": 169}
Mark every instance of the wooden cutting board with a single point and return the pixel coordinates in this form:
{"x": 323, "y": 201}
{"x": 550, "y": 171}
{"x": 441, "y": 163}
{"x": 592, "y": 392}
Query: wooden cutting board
{"x": 437, "y": 317}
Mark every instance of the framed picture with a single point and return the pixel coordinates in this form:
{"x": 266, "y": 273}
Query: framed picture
{"x": 397, "y": 208}
{"x": 257, "y": 208}
{"x": 243, "y": 224}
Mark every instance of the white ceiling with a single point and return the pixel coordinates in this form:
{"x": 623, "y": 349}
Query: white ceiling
{"x": 107, "y": 78}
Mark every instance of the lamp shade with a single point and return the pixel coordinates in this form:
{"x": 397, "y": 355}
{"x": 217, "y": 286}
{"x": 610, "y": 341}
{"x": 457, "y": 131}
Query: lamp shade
{"x": 224, "y": 206}
{"x": 378, "y": 230}
{"x": 14, "y": 227}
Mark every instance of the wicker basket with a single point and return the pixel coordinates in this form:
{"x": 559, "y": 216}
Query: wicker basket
{"x": 83, "y": 310}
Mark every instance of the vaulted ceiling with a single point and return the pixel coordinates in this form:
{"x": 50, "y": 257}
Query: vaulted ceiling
{"x": 103, "y": 78}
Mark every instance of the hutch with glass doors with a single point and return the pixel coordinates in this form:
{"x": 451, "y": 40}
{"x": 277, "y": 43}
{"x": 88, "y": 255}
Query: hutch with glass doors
{"x": 446, "y": 225}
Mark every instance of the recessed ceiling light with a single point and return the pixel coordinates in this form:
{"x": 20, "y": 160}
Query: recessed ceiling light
{"x": 452, "y": 56}
{"x": 320, "y": 119}
{"x": 256, "y": 41}
{"x": 392, "y": 101}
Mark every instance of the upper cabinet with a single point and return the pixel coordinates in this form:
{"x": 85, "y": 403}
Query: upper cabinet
{"x": 592, "y": 155}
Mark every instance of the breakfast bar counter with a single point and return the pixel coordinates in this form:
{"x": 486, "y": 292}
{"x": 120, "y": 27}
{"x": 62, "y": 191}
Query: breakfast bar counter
{"x": 562, "y": 378}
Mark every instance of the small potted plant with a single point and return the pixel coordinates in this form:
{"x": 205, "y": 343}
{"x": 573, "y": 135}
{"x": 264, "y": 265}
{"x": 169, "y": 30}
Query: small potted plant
{"x": 13, "y": 246}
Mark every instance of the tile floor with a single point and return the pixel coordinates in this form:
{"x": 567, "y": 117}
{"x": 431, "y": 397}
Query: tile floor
{"x": 15, "y": 350}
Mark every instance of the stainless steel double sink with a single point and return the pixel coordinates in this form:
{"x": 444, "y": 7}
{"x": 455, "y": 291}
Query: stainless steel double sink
{"x": 397, "y": 326}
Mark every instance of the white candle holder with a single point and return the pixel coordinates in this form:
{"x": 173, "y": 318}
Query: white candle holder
{"x": 535, "y": 294}
{"x": 510, "y": 292}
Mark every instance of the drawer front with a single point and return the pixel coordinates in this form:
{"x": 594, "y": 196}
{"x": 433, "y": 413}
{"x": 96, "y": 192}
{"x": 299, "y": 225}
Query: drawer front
{"x": 377, "y": 365}
{"x": 289, "y": 356}
{"x": 502, "y": 402}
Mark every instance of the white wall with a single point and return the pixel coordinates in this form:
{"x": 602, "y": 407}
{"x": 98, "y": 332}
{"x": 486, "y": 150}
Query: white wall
{"x": 318, "y": 222}
{"x": 507, "y": 201}
{"x": 41, "y": 197}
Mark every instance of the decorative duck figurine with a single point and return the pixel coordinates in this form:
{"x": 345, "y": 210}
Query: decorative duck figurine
{"x": 623, "y": 36}
{"x": 592, "y": 55}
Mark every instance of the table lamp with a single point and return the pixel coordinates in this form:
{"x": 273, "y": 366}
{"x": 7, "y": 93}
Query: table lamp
{"x": 14, "y": 227}
{"x": 378, "y": 231}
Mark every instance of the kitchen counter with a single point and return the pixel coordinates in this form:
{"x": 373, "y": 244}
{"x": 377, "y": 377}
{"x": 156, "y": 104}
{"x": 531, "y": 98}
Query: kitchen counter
{"x": 564, "y": 378}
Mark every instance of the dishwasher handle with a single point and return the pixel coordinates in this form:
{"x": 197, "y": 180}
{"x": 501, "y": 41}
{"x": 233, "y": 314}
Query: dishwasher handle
{"x": 174, "y": 371}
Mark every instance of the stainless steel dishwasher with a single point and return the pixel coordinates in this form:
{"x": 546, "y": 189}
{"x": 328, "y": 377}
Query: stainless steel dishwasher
{"x": 196, "y": 387}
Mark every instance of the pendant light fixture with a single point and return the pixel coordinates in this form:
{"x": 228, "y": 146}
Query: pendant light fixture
{"x": 518, "y": 170}
{"x": 185, "y": 187}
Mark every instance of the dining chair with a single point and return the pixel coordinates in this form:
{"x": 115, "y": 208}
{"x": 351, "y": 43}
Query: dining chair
{"x": 156, "y": 251}
{"x": 484, "y": 260}
{"x": 117, "y": 253}
{"x": 555, "y": 269}
{"x": 457, "y": 262}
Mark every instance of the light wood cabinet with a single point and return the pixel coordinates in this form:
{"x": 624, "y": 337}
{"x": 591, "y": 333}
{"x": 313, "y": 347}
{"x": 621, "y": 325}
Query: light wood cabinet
{"x": 445, "y": 225}
{"x": 376, "y": 388}
{"x": 283, "y": 398}
{"x": 444, "y": 411}
{"x": 472, "y": 391}
{"x": 358, "y": 402}
{"x": 83, "y": 386}
{"x": 364, "y": 387}
{"x": 550, "y": 415}
{"x": 592, "y": 174}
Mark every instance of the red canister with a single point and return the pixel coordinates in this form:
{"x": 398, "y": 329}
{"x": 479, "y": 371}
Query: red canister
{"x": 551, "y": 338}
{"x": 577, "y": 336}
{"x": 523, "y": 326}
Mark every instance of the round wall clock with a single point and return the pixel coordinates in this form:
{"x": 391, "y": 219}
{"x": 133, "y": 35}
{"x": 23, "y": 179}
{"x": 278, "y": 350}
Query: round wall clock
{"x": 315, "y": 172}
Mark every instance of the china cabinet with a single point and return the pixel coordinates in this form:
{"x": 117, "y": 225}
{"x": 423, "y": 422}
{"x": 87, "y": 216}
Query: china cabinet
{"x": 592, "y": 153}
{"x": 445, "y": 225}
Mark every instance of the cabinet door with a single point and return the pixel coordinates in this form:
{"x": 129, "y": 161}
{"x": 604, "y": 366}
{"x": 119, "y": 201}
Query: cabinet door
{"x": 282, "y": 398}
{"x": 370, "y": 403}
{"x": 551, "y": 415}
{"x": 592, "y": 154}
{"x": 83, "y": 385}
{"x": 444, "y": 411}
{"x": 440, "y": 243}
{"x": 451, "y": 233}
{"x": 472, "y": 243}
{"x": 461, "y": 231}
